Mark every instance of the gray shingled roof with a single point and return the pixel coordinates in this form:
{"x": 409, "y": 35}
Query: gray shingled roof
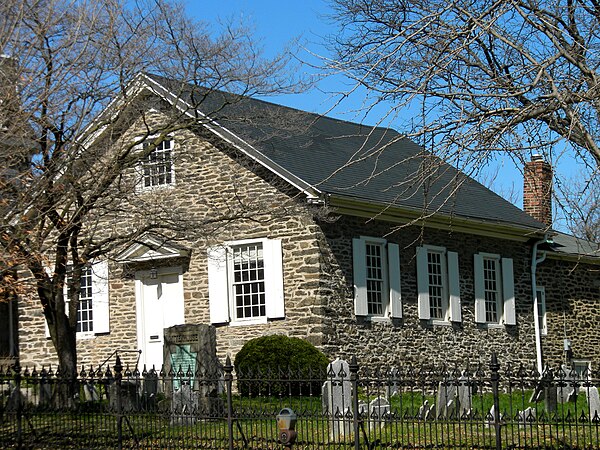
{"x": 570, "y": 245}
{"x": 346, "y": 159}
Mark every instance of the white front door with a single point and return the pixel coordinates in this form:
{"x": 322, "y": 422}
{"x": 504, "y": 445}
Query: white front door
{"x": 159, "y": 304}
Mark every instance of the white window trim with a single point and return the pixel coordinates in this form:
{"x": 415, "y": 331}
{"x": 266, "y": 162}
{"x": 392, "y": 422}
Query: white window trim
{"x": 506, "y": 301}
{"x": 220, "y": 287}
{"x": 582, "y": 362}
{"x": 392, "y": 303}
{"x": 541, "y": 301}
{"x": 423, "y": 281}
{"x": 140, "y": 166}
{"x": 80, "y": 334}
{"x": 451, "y": 285}
{"x": 100, "y": 311}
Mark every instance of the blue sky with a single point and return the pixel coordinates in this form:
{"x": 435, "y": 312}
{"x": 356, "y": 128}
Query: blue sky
{"x": 278, "y": 22}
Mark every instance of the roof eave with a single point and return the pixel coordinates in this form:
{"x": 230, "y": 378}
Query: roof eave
{"x": 573, "y": 257}
{"x": 439, "y": 220}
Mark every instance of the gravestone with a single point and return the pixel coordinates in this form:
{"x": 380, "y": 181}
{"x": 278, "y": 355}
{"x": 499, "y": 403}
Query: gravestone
{"x": 491, "y": 416}
{"x": 593, "y": 399}
{"x": 424, "y": 409}
{"x": 150, "y": 391}
{"x": 463, "y": 397}
{"x": 185, "y": 404}
{"x": 90, "y": 393}
{"x": 45, "y": 391}
{"x": 545, "y": 390}
{"x": 446, "y": 399}
{"x": 526, "y": 417}
{"x": 337, "y": 399}
{"x": 30, "y": 395}
{"x": 363, "y": 409}
{"x": 379, "y": 410}
{"x": 550, "y": 400}
{"x": 430, "y": 413}
{"x": 565, "y": 390}
{"x": 15, "y": 399}
{"x": 326, "y": 396}
{"x": 190, "y": 354}
{"x": 129, "y": 395}
{"x": 393, "y": 388}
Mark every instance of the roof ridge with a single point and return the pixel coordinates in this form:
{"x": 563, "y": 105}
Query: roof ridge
{"x": 336, "y": 158}
{"x": 317, "y": 116}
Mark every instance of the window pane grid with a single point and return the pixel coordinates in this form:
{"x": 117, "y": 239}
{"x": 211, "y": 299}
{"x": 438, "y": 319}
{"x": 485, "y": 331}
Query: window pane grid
{"x": 85, "y": 318}
{"x": 375, "y": 280}
{"x": 248, "y": 281}
{"x": 158, "y": 165}
{"x": 436, "y": 285}
{"x": 491, "y": 291}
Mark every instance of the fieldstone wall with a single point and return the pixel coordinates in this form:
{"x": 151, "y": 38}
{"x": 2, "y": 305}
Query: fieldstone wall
{"x": 250, "y": 203}
{"x": 572, "y": 291}
{"x": 214, "y": 181}
{"x": 411, "y": 340}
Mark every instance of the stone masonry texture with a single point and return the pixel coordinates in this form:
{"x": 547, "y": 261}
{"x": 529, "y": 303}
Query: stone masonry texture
{"x": 213, "y": 178}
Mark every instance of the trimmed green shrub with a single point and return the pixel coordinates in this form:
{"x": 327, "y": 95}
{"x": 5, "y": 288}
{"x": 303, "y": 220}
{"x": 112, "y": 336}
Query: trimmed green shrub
{"x": 278, "y": 365}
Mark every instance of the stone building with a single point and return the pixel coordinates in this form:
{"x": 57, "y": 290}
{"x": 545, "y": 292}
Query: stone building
{"x": 353, "y": 238}
{"x": 16, "y": 150}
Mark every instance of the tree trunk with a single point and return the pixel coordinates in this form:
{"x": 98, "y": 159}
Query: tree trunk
{"x": 64, "y": 341}
{"x": 65, "y": 345}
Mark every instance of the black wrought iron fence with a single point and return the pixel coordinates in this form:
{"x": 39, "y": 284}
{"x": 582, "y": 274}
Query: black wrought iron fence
{"x": 345, "y": 407}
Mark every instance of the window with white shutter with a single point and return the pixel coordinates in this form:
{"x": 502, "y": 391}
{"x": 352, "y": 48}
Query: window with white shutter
{"x": 438, "y": 284}
{"x": 93, "y": 310}
{"x": 245, "y": 281}
{"x": 376, "y": 272}
{"x": 494, "y": 290}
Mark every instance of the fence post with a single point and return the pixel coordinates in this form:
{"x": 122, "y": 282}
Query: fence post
{"x": 17, "y": 370}
{"x": 353, "y": 366}
{"x": 118, "y": 378}
{"x": 495, "y": 378}
{"x": 228, "y": 386}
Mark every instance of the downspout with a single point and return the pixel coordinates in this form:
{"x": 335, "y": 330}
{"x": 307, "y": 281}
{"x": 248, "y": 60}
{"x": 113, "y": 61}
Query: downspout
{"x": 536, "y": 320}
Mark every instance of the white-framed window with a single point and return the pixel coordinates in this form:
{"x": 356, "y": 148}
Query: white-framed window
{"x": 157, "y": 167}
{"x": 85, "y": 310}
{"x": 541, "y": 309}
{"x": 494, "y": 290}
{"x": 93, "y": 314}
{"x": 583, "y": 368}
{"x": 245, "y": 282}
{"x": 438, "y": 284}
{"x": 247, "y": 268}
{"x": 376, "y": 272}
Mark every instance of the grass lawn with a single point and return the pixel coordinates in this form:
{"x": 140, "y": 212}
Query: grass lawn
{"x": 255, "y": 427}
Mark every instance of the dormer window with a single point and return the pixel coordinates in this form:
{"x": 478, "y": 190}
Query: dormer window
{"x": 157, "y": 166}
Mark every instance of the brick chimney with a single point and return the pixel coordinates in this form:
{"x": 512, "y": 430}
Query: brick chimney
{"x": 537, "y": 190}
